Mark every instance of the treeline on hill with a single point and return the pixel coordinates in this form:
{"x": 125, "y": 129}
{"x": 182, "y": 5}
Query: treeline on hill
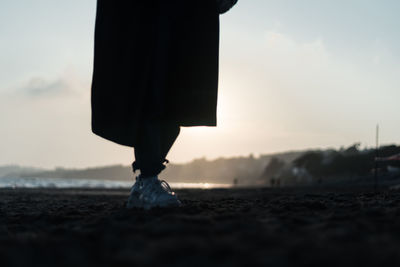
{"x": 284, "y": 169}
{"x": 246, "y": 170}
{"x": 330, "y": 166}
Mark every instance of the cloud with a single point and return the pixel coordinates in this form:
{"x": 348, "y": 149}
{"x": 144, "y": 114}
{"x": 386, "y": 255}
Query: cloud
{"x": 38, "y": 87}
{"x": 45, "y": 121}
{"x": 69, "y": 84}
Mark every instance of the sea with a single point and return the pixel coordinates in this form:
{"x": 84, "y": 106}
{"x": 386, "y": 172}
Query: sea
{"x": 86, "y": 183}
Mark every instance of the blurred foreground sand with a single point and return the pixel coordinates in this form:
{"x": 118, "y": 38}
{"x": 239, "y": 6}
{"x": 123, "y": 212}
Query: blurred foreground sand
{"x": 219, "y": 227}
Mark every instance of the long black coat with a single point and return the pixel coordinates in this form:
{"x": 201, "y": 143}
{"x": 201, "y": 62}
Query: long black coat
{"x": 142, "y": 46}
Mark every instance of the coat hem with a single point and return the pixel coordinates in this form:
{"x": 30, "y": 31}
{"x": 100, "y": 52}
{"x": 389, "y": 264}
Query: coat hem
{"x": 112, "y": 136}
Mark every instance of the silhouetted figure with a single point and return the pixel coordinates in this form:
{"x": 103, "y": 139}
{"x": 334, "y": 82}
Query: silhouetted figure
{"x": 155, "y": 70}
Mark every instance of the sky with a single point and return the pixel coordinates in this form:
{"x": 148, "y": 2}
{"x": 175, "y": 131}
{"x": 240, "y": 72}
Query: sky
{"x": 294, "y": 74}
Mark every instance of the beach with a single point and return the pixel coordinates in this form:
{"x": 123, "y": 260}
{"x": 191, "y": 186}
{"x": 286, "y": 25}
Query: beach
{"x": 215, "y": 227}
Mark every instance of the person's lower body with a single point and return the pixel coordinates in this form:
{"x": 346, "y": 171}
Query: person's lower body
{"x": 155, "y": 139}
{"x": 155, "y": 134}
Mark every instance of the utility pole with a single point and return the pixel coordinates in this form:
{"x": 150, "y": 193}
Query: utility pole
{"x": 376, "y": 158}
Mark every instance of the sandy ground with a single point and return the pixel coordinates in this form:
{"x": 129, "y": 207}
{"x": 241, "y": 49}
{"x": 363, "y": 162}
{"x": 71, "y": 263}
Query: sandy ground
{"x": 225, "y": 227}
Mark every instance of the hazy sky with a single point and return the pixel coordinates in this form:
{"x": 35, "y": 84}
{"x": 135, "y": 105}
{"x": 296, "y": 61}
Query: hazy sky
{"x": 294, "y": 74}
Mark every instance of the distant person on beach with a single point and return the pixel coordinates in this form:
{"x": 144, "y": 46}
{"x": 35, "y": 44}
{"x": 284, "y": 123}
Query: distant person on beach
{"x": 155, "y": 70}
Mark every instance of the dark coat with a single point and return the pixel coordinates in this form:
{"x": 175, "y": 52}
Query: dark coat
{"x": 143, "y": 46}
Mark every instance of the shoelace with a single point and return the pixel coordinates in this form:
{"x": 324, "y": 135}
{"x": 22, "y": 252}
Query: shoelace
{"x": 161, "y": 187}
{"x": 166, "y": 186}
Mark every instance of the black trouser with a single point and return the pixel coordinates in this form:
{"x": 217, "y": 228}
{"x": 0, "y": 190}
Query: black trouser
{"x": 155, "y": 139}
{"x": 156, "y": 135}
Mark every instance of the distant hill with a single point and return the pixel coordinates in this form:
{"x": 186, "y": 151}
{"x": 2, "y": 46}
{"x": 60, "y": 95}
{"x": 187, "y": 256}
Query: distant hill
{"x": 16, "y": 170}
{"x": 223, "y": 170}
{"x": 246, "y": 170}
{"x": 286, "y": 169}
{"x": 116, "y": 172}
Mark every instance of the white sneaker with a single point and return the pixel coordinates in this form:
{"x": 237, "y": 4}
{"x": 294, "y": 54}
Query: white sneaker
{"x": 151, "y": 192}
{"x": 134, "y": 196}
